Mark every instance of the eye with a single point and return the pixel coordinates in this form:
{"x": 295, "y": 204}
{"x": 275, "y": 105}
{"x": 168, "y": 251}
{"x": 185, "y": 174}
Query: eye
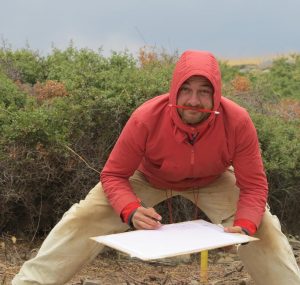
{"x": 205, "y": 92}
{"x": 184, "y": 89}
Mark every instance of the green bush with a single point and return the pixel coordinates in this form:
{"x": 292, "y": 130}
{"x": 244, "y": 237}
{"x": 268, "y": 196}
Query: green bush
{"x": 280, "y": 146}
{"x": 285, "y": 76}
{"x": 24, "y": 65}
{"x": 228, "y": 72}
{"x": 52, "y": 148}
{"x": 11, "y": 98}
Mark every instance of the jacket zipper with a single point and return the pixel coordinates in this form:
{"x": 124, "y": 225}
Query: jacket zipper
{"x": 192, "y": 156}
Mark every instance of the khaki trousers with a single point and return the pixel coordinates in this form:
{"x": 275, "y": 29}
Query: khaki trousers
{"x": 68, "y": 247}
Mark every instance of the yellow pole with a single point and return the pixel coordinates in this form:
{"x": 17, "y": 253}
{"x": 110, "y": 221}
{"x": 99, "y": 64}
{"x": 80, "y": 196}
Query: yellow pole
{"x": 204, "y": 267}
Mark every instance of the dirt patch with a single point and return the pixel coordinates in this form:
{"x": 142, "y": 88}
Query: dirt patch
{"x": 121, "y": 270}
{"x": 113, "y": 268}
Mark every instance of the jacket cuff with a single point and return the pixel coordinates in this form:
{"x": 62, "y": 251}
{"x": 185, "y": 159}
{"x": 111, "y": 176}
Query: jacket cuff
{"x": 128, "y": 211}
{"x": 247, "y": 226}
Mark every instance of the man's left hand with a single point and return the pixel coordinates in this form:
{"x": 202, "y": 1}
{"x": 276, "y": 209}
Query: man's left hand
{"x": 235, "y": 229}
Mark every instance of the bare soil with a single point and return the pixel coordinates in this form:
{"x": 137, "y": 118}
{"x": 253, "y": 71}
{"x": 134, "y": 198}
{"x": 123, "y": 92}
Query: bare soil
{"x": 114, "y": 268}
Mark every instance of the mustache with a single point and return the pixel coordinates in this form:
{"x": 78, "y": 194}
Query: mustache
{"x": 194, "y": 109}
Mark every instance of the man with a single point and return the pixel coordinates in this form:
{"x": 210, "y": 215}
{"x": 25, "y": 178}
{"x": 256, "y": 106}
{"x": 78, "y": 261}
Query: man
{"x": 181, "y": 143}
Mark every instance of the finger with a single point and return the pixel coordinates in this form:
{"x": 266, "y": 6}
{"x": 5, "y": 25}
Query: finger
{"x": 147, "y": 220}
{"x": 140, "y": 219}
{"x": 148, "y": 216}
{"x": 150, "y": 212}
{"x": 235, "y": 229}
{"x": 140, "y": 224}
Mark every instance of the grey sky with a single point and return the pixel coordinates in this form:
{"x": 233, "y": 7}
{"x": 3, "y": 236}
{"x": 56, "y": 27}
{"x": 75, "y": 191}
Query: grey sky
{"x": 228, "y": 28}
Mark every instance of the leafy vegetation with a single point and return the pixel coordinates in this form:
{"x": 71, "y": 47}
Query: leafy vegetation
{"x": 61, "y": 114}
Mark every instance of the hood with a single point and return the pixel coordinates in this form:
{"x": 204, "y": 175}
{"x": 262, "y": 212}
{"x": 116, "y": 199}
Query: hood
{"x": 191, "y": 63}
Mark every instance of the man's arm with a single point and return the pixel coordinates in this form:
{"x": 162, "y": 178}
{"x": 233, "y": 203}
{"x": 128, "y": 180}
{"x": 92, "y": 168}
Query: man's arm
{"x": 251, "y": 178}
{"x": 122, "y": 163}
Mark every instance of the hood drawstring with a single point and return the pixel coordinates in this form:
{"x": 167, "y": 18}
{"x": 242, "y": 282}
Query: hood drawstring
{"x": 196, "y": 196}
{"x": 195, "y": 109}
{"x": 169, "y": 202}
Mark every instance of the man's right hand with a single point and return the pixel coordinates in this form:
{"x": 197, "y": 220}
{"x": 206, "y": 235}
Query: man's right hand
{"x": 146, "y": 219}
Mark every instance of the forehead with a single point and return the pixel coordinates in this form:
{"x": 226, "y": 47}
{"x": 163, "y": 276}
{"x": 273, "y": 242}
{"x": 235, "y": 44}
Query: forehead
{"x": 201, "y": 80}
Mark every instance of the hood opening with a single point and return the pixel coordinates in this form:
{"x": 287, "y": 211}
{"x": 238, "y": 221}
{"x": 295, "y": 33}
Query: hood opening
{"x": 195, "y": 63}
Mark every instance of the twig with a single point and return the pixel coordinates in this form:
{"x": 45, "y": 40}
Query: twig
{"x": 165, "y": 280}
{"x": 283, "y": 208}
{"x": 81, "y": 158}
{"x": 160, "y": 263}
{"x": 17, "y": 253}
{"x": 229, "y": 273}
{"x": 5, "y": 250}
{"x": 240, "y": 268}
{"x": 38, "y": 224}
{"x": 132, "y": 278}
{"x": 3, "y": 282}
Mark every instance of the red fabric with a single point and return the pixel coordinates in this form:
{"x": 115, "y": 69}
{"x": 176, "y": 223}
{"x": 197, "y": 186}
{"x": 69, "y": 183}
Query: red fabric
{"x": 126, "y": 212}
{"x": 155, "y": 141}
{"x": 246, "y": 224}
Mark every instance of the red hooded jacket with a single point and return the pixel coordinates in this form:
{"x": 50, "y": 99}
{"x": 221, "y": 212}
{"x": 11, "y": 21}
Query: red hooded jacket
{"x": 155, "y": 141}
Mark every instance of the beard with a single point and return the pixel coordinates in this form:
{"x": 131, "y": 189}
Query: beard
{"x": 191, "y": 117}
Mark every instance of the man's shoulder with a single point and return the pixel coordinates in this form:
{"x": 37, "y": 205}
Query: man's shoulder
{"x": 232, "y": 109}
{"x": 234, "y": 116}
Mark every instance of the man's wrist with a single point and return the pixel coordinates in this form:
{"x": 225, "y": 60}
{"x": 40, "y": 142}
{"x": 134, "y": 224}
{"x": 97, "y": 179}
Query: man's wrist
{"x": 245, "y": 231}
{"x": 129, "y": 220}
{"x": 128, "y": 212}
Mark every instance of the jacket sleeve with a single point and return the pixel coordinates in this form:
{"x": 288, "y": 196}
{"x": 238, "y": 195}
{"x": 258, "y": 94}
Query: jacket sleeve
{"x": 250, "y": 175}
{"x": 122, "y": 163}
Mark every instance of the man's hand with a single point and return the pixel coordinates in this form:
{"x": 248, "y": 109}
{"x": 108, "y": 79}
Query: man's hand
{"x": 146, "y": 219}
{"x": 235, "y": 229}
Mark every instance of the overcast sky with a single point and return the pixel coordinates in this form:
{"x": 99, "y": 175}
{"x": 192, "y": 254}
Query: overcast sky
{"x": 228, "y": 28}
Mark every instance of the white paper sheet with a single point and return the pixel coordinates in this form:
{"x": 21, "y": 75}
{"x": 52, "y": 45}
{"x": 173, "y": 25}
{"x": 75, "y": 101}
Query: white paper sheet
{"x": 173, "y": 239}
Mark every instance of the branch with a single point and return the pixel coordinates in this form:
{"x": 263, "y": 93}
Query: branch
{"x": 81, "y": 158}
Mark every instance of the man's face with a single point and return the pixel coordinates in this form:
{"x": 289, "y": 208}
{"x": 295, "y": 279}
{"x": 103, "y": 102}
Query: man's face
{"x": 196, "y": 91}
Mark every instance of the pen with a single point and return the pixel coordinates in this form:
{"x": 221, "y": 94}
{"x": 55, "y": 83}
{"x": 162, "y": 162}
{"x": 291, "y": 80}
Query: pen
{"x": 144, "y": 205}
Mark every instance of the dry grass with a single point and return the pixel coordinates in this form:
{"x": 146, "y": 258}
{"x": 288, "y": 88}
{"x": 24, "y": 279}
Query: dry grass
{"x": 233, "y": 61}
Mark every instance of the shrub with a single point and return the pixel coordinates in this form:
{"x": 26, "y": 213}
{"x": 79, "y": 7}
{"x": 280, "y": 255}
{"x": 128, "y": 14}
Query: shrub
{"x": 285, "y": 76}
{"x": 241, "y": 83}
{"x": 280, "y": 145}
{"x": 24, "y": 65}
{"x": 52, "y": 149}
{"x": 11, "y": 97}
{"x": 49, "y": 90}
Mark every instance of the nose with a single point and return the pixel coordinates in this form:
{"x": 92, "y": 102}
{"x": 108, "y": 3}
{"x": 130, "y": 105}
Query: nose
{"x": 194, "y": 99}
